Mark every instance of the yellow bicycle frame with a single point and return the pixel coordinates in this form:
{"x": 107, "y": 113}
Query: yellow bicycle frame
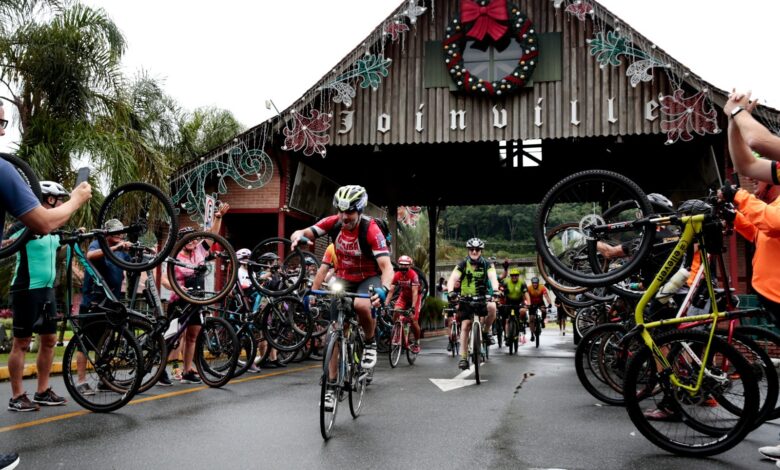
{"x": 693, "y": 225}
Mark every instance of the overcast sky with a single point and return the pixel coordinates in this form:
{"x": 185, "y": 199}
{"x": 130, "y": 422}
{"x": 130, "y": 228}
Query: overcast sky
{"x": 235, "y": 54}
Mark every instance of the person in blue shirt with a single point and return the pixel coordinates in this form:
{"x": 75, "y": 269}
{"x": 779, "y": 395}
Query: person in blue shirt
{"x": 92, "y": 294}
{"x": 18, "y": 199}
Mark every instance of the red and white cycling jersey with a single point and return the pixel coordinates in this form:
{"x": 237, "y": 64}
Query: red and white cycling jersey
{"x": 352, "y": 265}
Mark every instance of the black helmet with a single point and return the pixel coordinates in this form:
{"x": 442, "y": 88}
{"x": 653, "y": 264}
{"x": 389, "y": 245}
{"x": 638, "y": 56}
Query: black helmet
{"x": 534, "y": 280}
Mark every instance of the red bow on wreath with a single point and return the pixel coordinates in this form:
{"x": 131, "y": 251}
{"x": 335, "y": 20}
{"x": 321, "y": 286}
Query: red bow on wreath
{"x": 487, "y": 18}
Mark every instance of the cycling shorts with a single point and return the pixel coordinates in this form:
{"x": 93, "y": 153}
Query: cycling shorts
{"x": 403, "y": 303}
{"x": 34, "y": 311}
{"x": 467, "y": 310}
{"x": 358, "y": 287}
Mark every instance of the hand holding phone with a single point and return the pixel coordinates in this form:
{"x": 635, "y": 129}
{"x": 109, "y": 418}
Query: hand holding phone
{"x": 82, "y": 175}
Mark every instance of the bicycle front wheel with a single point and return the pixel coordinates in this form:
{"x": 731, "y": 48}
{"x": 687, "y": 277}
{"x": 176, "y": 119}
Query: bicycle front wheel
{"x": 396, "y": 344}
{"x": 583, "y": 199}
{"x": 693, "y": 426}
{"x": 154, "y": 350}
{"x": 15, "y": 233}
{"x": 143, "y": 214}
{"x": 476, "y": 345}
{"x": 359, "y": 377}
{"x": 216, "y": 352}
{"x": 328, "y": 414}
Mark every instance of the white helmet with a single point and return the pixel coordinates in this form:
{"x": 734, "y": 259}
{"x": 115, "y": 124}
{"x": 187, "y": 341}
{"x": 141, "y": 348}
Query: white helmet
{"x": 243, "y": 253}
{"x": 51, "y": 188}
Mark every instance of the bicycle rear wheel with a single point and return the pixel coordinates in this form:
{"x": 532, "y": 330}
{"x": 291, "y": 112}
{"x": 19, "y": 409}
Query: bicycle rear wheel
{"x": 148, "y": 221}
{"x": 247, "y": 353}
{"x": 582, "y": 199}
{"x": 216, "y": 352}
{"x": 15, "y": 233}
{"x": 699, "y": 430}
{"x": 104, "y": 375}
{"x": 202, "y": 280}
{"x": 154, "y": 350}
{"x": 286, "y": 323}
{"x": 588, "y": 362}
{"x": 411, "y": 356}
{"x": 770, "y": 343}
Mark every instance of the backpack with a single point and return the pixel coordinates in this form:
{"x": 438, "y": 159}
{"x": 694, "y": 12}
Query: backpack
{"x": 365, "y": 221}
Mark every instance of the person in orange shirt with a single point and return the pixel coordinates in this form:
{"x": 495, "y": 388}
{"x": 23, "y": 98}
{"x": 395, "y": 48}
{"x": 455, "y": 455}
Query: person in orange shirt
{"x": 758, "y": 217}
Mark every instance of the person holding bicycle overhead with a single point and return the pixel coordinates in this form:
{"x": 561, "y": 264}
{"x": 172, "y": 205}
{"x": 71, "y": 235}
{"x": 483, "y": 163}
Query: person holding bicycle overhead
{"x": 357, "y": 270}
{"x": 476, "y": 276}
{"x": 17, "y": 198}
{"x": 516, "y": 297}
{"x": 408, "y": 283}
{"x": 538, "y": 294}
{"x": 35, "y": 310}
{"x": 194, "y": 253}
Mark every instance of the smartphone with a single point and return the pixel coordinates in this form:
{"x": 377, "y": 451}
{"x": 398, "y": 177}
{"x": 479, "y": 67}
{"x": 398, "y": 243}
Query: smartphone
{"x": 82, "y": 175}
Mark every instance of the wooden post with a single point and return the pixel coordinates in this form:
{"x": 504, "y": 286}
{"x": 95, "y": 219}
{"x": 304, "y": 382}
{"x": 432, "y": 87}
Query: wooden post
{"x": 392, "y": 222}
{"x": 433, "y": 222}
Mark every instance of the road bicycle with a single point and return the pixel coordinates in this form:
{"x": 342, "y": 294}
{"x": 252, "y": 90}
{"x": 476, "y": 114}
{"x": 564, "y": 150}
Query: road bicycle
{"x": 344, "y": 347}
{"x": 402, "y": 338}
{"x": 679, "y": 370}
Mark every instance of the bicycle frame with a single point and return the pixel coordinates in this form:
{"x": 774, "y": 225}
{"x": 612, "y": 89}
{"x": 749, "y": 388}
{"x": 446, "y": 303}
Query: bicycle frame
{"x": 693, "y": 227}
{"x": 404, "y": 317}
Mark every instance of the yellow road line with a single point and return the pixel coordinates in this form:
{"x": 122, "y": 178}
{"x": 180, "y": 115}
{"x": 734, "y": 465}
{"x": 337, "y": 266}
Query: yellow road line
{"x": 152, "y": 398}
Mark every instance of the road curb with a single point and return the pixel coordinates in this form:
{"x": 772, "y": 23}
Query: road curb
{"x": 30, "y": 370}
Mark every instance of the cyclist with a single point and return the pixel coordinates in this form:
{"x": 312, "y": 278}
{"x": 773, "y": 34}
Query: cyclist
{"x": 408, "y": 283}
{"x": 537, "y": 294}
{"x": 515, "y": 298}
{"x": 330, "y": 263}
{"x": 35, "y": 310}
{"x": 356, "y": 270}
{"x": 561, "y": 316}
{"x": 477, "y": 276}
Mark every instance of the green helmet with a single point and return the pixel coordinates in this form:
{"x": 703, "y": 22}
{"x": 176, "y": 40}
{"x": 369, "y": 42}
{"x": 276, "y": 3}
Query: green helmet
{"x": 350, "y": 198}
{"x": 514, "y": 272}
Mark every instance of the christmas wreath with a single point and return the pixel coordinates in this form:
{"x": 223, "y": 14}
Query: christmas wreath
{"x": 490, "y": 23}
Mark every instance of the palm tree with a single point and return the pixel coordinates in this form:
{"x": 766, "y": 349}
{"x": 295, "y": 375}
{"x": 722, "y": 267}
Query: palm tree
{"x": 204, "y": 129}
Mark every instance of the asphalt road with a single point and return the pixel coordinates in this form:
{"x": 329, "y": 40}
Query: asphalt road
{"x": 529, "y": 413}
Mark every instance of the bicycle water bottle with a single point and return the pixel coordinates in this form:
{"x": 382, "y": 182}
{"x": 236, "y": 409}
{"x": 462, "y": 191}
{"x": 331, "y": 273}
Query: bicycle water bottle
{"x": 672, "y": 286}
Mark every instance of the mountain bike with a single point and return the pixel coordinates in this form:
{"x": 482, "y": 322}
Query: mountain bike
{"x": 678, "y": 370}
{"x": 400, "y": 338}
{"x": 344, "y": 346}
{"x": 513, "y": 328}
{"x": 535, "y": 311}
{"x": 478, "y": 342}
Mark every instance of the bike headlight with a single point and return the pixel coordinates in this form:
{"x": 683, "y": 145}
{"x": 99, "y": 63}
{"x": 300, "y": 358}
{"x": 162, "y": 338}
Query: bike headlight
{"x": 337, "y": 287}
